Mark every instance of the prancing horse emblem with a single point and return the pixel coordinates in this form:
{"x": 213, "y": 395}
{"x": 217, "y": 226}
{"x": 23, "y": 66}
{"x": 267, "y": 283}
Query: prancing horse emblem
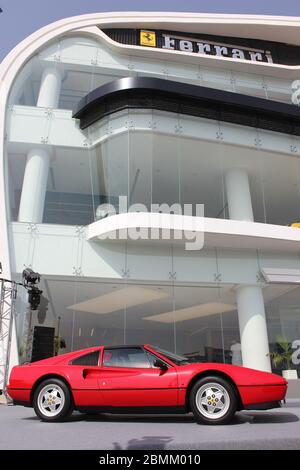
{"x": 148, "y": 38}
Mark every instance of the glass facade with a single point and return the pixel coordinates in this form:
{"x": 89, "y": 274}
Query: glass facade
{"x": 153, "y": 167}
{"x": 127, "y": 294}
{"x": 200, "y": 322}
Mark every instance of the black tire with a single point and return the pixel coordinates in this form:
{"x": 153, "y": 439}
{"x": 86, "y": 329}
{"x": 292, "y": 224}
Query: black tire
{"x": 59, "y": 411}
{"x": 218, "y": 402}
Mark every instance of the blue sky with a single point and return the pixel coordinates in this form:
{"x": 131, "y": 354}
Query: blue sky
{"x": 22, "y": 17}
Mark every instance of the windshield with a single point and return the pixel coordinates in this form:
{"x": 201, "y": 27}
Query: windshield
{"x": 176, "y": 358}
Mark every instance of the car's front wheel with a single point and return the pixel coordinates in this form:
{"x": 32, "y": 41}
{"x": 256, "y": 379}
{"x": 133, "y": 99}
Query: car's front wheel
{"x": 52, "y": 400}
{"x": 213, "y": 400}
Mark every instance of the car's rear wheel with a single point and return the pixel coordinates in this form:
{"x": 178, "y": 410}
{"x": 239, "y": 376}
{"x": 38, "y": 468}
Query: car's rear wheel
{"x": 52, "y": 400}
{"x": 213, "y": 400}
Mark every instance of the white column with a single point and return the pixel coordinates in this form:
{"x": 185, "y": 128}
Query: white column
{"x": 34, "y": 186}
{"x": 238, "y": 194}
{"x": 38, "y": 159}
{"x": 50, "y": 88}
{"x": 253, "y": 328}
{"x": 250, "y": 302}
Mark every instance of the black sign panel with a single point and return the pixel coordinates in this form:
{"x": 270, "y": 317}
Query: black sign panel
{"x": 183, "y": 98}
{"x": 252, "y": 50}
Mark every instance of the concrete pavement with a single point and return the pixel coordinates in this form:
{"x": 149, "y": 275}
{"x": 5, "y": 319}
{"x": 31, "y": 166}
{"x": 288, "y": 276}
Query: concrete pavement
{"x": 274, "y": 429}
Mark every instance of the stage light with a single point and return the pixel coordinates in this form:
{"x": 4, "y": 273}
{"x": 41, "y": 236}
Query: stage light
{"x": 34, "y": 297}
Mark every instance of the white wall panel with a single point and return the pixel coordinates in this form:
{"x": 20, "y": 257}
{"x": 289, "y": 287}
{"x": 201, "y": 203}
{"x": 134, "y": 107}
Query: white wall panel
{"x": 105, "y": 260}
{"x": 195, "y": 266}
{"x": 238, "y": 267}
{"x": 48, "y": 249}
{"x": 149, "y": 261}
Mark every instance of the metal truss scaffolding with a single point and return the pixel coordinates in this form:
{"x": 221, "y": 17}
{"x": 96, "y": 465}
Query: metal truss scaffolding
{"x": 7, "y": 317}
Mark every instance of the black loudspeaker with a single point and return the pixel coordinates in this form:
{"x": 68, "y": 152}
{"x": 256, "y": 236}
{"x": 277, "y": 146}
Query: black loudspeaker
{"x": 42, "y": 343}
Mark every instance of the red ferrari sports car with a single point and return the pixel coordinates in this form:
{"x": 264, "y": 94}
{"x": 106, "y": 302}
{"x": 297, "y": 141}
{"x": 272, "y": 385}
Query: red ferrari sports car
{"x": 141, "y": 379}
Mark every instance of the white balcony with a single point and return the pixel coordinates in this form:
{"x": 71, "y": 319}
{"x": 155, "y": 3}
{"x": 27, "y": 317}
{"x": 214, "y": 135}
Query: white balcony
{"x": 136, "y": 227}
{"x": 33, "y": 125}
{"x": 28, "y": 124}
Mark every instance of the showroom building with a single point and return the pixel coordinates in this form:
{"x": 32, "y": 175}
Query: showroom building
{"x": 155, "y": 109}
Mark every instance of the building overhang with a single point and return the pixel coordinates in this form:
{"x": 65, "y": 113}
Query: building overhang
{"x": 281, "y": 275}
{"x": 191, "y": 100}
{"x": 136, "y": 227}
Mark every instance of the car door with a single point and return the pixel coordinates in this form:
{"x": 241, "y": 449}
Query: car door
{"x": 83, "y": 373}
{"x": 129, "y": 379}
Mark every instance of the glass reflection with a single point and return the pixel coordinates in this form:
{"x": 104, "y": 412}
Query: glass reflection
{"x": 185, "y": 320}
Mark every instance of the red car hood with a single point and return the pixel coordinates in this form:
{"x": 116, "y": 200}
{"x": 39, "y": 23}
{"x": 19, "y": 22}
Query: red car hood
{"x": 242, "y": 376}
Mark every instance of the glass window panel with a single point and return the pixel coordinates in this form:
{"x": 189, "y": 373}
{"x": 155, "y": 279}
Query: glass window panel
{"x": 201, "y": 179}
{"x": 246, "y": 159}
{"x": 145, "y": 304}
{"x": 279, "y": 89}
{"x": 69, "y": 199}
{"x": 230, "y": 326}
{"x": 197, "y": 315}
{"x": 140, "y": 168}
{"x": 283, "y": 314}
{"x": 97, "y": 312}
{"x": 99, "y": 174}
{"x": 213, "y": 78}
{"x": 165, "y": 171}
{"x": 117, "y": 163}
{"x": 250, "y": 84}
{"x": 281, "y": 187}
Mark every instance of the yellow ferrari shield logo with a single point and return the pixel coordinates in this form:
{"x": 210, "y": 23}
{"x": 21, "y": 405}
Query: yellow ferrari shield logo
{"x": 148, "y": 38}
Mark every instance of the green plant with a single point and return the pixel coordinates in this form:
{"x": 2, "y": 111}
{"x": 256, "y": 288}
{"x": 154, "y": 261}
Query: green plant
{"x": 24, "y": 352}
{"x": 284, "y": 353}
{"x": 59, "y": 343}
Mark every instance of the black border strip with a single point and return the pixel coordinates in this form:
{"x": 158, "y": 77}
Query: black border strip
{"x": 193, "y": 100}
{"x": 141, "y": 452}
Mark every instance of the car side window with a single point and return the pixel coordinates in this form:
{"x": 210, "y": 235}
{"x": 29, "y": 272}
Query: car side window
{"x": 152, "y": 358}
{"x": 90, "y": 359}
{"x": 126, "y": 357}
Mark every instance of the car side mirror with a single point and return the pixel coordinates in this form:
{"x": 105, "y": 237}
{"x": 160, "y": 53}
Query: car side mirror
{"x": 160, "y": 364}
